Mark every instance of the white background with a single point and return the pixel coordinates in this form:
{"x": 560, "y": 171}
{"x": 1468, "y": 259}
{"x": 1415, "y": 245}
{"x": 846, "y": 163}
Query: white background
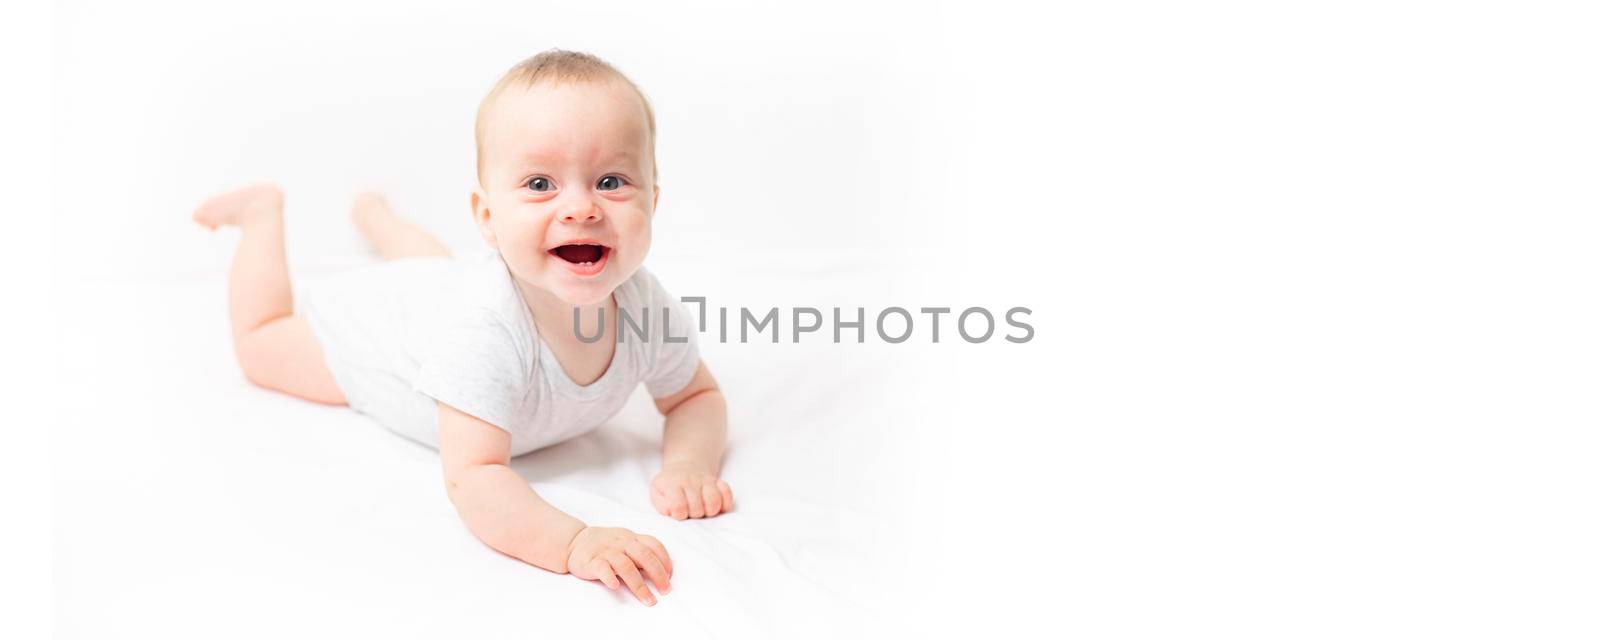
{"x": 1314, "y": 284}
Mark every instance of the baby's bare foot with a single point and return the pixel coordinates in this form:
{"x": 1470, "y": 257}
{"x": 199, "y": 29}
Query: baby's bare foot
{"x": 240, "y": 205}
{"x": 369, "y": 211}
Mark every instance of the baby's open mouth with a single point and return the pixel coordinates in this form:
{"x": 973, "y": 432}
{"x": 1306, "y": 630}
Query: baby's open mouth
{"x": 580, "y": 254}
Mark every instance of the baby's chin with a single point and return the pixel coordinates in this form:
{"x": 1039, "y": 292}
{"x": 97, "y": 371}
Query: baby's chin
{"x": 583, "y": 292}
{"x": 587, "y": 297}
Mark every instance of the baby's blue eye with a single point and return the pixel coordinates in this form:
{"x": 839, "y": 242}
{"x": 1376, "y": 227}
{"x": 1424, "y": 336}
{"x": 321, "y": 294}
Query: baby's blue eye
{"x": 610, "y": 183}
{"x": 539, "y": 183}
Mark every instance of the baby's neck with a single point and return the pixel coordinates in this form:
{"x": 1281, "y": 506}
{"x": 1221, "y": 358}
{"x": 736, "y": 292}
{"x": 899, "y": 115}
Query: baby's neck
{"x": 554, "y": 318}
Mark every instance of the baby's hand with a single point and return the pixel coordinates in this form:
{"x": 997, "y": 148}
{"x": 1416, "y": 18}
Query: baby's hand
{"x": 609, "y": 553}
{"x": 689, "y": 492}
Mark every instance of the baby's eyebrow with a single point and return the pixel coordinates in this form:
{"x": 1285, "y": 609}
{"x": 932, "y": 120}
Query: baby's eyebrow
{"x": 540, "y": 158}
{"x": 627, "y": 156}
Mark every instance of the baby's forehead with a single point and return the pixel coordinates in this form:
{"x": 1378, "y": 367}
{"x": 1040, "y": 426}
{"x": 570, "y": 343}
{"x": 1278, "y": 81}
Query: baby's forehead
{"x": 597, "y": 101}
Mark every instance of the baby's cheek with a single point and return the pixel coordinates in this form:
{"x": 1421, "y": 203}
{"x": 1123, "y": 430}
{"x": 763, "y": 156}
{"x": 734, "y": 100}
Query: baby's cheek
{"x": 636, "y": 241}
{"x": 641, "y": 231}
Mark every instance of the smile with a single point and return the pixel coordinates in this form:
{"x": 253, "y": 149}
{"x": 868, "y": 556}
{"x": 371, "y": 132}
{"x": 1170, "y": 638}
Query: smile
{"x": 584, "y": 259}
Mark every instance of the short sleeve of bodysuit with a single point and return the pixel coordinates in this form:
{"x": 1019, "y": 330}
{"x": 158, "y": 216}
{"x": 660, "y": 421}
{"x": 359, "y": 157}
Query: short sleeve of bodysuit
{"x": 672, "y": 354}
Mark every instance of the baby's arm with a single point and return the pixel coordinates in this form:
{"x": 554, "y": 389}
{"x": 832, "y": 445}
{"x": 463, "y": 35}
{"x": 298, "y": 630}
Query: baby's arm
{"x": 501, "y": 509}
{"x": 691, "y": 451}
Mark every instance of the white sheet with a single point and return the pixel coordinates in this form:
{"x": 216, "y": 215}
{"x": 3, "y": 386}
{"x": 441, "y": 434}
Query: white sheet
{"x": 190, "y": 501}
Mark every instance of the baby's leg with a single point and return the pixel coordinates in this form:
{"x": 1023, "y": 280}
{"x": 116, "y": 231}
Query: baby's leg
{"x": 276, "y": 348}
{"x": 394, "y": 236}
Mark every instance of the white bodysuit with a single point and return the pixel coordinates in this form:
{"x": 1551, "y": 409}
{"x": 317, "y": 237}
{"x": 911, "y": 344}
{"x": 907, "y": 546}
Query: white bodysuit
{"x": 403, "y": 334}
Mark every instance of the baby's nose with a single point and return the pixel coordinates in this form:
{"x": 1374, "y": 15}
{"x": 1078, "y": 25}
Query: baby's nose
{"x": 586, "y": 212}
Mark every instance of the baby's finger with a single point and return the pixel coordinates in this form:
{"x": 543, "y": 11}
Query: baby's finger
{"x": 653, "y": 568}
{"x": 712, "y": 498}
{"x": 677, "y": 507}
{"x": 727, "y": 495}
{"x": 660, "y": 502}
{"x": 602, "y": 570}
{"x": 661, "y": 551}
{"x": 630, "y": 575}
{"x": 697, "y": 508}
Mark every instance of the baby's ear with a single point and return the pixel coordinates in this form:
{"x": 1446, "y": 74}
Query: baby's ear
{"x": 656, "y": 201}
{"x": 480, "y": 216}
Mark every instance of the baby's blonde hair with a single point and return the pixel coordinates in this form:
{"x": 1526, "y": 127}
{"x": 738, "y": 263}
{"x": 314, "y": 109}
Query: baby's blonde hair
{"x": 560, "y": 66}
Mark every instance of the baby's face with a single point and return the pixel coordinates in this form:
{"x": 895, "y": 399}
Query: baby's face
{"x": 568, "y": 187}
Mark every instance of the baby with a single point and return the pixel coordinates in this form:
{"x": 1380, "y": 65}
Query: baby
{"x": 490, "y": 357}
